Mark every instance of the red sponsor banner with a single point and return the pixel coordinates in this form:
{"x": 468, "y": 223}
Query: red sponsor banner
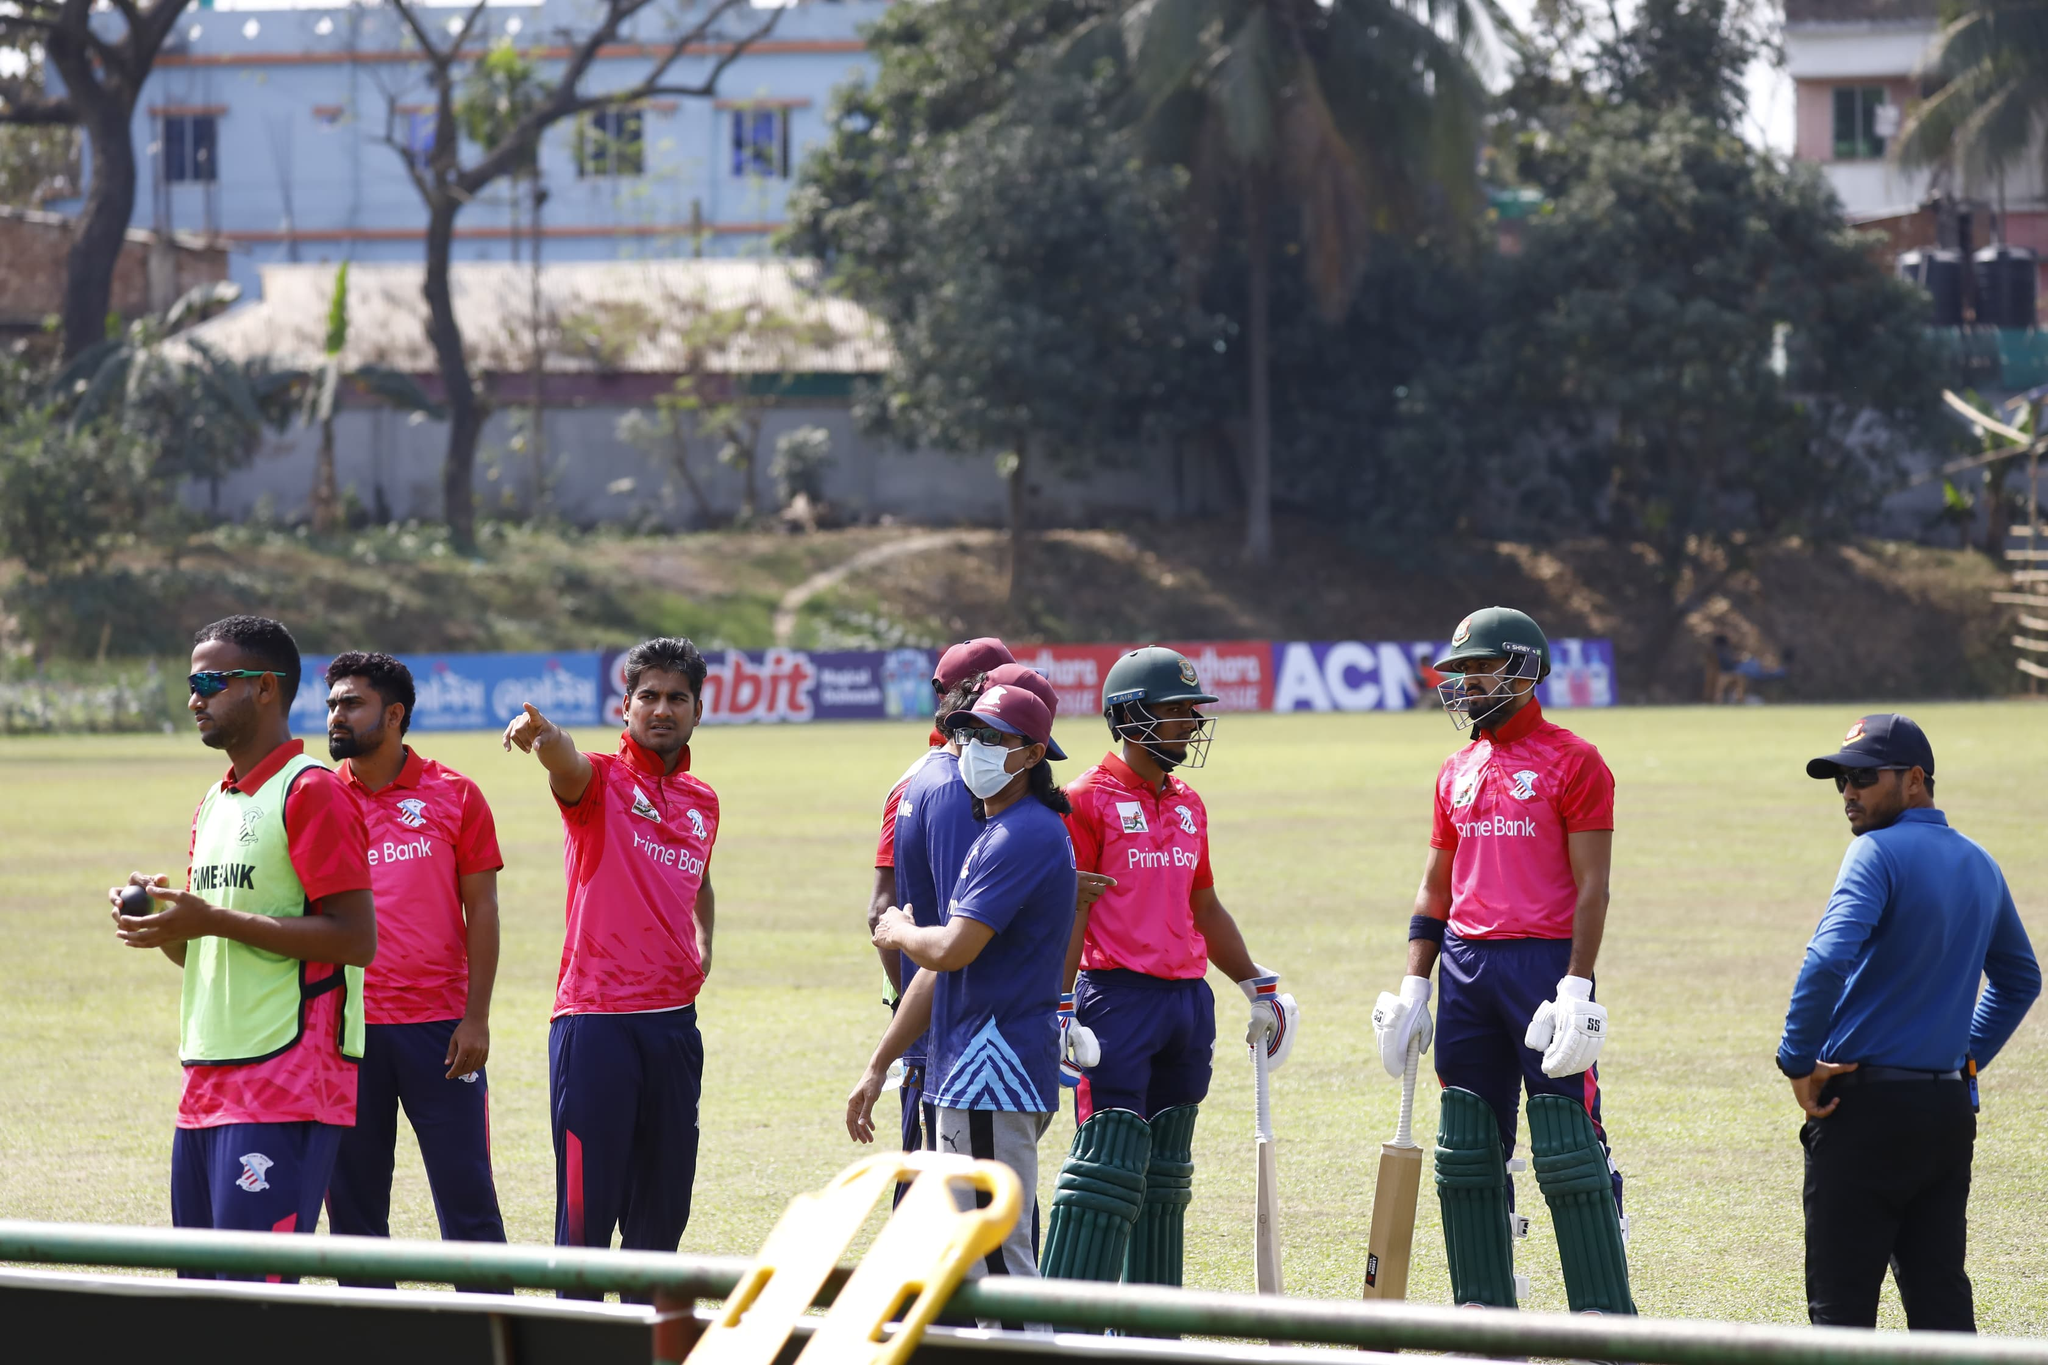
{"x": 1076, "y": 672}
{"x": 1238, "y": 673}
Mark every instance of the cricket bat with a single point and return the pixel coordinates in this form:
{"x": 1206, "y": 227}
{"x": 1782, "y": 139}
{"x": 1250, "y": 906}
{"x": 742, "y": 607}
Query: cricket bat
{"x": 1393, "y": 1202}
{"x": 1266, "y": 1224}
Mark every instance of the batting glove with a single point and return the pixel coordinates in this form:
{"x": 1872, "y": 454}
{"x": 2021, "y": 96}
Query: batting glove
{"x": 1570, "y": 1030}
{"x": 1398, "y": 1019}
{"x": 1078, "y": 1048}
{"x": 1275, "y": 1017}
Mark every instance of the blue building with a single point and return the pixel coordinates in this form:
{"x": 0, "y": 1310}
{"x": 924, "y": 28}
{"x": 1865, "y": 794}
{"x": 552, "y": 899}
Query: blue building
{"x": 267, "y": 125}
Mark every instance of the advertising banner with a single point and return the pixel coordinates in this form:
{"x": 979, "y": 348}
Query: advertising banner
{"x": 1386, "y": 675}
{"x": 579, "y": 687}
{"x": 473, "y": 691}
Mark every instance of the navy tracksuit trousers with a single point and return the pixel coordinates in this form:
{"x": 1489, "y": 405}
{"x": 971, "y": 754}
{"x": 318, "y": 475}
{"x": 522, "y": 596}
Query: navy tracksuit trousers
{"x": 406, "y": 1065}
{"x": 623, "y": 1091}
{"x": 251, "y": 1177}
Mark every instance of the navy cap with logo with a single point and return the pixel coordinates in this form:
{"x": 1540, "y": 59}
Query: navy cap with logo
{"x": 1885, "y": 740}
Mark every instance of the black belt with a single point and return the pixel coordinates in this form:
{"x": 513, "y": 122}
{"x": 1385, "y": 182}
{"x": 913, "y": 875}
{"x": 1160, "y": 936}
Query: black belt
{"x": 1871, "y": 1075}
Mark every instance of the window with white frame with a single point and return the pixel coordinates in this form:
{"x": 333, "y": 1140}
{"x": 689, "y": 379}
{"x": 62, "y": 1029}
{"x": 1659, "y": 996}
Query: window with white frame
{"x": 611, "y": 142}
{"x": 760, "y": 142}
{"x": 189, "y": 142}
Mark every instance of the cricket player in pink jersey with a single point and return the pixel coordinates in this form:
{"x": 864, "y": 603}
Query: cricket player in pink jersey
{"x": 1512, "y": 907}
{"x": 434, "y": 867}
{"x": 272, "y": 932}
{"x": 1136, "y": 969}
{"x": 625, "y": 1060}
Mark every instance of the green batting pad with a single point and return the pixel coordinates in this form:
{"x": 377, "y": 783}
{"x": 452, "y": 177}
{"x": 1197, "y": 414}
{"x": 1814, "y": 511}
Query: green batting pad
{"x": 1571, "y": 1169}
{"x": 1472, "y": 1187}
{"x": 1156, "y": 1242}
{"x": 1097, "y": 1197}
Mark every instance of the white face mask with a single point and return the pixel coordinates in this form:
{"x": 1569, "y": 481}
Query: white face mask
{"x": 981, "y": 768}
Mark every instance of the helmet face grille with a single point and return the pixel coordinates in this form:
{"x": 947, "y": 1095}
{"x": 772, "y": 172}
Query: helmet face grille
{"x": 1134, "y": 722}
{"x": 1476, "y": 698}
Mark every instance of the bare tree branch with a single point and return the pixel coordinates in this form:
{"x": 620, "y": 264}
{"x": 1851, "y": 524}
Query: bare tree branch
{"x": 24, "y": 104}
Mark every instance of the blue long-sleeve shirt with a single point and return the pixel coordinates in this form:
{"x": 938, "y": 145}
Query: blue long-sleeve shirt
{"x": 1919, "y": 912}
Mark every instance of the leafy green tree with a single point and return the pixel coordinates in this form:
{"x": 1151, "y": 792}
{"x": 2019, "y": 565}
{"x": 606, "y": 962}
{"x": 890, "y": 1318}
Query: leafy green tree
{"x": 1019, "y": 254}
{"x": 1989, "y": 111}
{"x": 1359, "y": 117}
{"x": 1697, "y": 354}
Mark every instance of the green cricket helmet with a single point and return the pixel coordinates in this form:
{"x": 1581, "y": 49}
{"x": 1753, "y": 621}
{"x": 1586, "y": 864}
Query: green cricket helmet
{"x": 1488, "y": 635}
{"x": 1151, "y": 677}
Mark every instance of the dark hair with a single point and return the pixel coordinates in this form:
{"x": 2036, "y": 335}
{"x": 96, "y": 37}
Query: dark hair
{"x": 388, "y": 678}
{"x": 965, "y": 693}
{"x": 1048, "y": 791}
{"x": 668, "y": 654}
{"x": 1041, "y": 786}
{"x": 267, "y": 643}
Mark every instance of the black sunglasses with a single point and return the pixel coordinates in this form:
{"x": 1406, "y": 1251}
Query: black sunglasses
{"x": 1859, "y": 778}
{"x": 215, "y": 682}
{"x": 984, "y": 734}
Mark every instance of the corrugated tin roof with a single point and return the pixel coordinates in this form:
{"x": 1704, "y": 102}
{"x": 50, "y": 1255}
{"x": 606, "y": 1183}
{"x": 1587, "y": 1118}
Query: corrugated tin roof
{"x": 611, "y": 317}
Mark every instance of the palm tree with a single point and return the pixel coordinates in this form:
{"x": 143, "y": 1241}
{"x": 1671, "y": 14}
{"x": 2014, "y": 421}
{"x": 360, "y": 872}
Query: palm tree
{"x": 1360, "y": 115}
{"x": 1990, "y": 106}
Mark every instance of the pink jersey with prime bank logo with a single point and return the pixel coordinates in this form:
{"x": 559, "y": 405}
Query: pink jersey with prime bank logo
{"x": 1156, "y": 845}
{"x": 429, "y": 828}
{"x": 1504, "y": 806}
{"x": 636, "y": 848}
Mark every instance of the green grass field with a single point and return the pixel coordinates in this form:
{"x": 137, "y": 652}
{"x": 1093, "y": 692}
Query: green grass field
{"x": 1724, "y": 854}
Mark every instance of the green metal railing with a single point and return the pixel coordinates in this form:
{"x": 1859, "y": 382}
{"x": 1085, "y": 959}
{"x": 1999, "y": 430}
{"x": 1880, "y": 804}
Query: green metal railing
{"x": 1062, "y": 1303}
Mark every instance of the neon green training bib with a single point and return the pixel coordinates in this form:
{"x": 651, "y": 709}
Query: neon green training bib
{"x": 244, "y": 1004}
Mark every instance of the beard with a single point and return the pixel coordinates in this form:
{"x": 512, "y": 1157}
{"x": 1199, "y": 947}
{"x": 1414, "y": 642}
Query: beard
{"x": 348, "y": 743}
{"x": 228, "y": 726}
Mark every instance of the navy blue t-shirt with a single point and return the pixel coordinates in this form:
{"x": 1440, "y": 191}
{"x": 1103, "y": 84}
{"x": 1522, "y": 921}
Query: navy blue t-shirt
{"x": 994, "y": 1038}
{"x": 935, "y": 826}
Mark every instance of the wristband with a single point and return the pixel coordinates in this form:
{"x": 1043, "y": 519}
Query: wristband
{"x": 1427, "y": 926}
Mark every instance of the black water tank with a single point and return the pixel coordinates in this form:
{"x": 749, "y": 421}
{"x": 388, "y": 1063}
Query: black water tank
{"x": 2005, "y": 279}
{"x": 1940, "y": 273}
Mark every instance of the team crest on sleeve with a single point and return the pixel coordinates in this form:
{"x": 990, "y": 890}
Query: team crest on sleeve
{"x": 1467, "y": 788}
{"x": 1187, "y": 819}
{"x": 1524, "y": 785}
{"x": 697, "y": 824}
{"x": 253, "y": 1166}
{"x": 644, "y": 808}
{"x": 412, "y": 812}
{"x": 1131, "y": 816}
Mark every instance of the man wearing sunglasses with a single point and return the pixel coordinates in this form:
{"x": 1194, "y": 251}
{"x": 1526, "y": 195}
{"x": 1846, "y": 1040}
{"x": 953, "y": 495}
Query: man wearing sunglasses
{"x": 273, "y": 931}
{"x": 1886, "y": 1033}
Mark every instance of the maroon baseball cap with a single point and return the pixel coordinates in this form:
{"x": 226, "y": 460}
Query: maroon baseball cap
{"x": 1015, "y": 708}
{"x": 1025, "y": 676}
{"x": 966, "y": 659}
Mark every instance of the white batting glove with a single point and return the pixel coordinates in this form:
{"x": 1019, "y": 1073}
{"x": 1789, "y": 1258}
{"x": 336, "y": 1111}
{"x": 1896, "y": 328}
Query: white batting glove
{"x": 1079, "y": 1049}
{"x": 1398, "y": 1018}
{"x": 1275, "y": 1017}
{"x": 1569, "y": 1030}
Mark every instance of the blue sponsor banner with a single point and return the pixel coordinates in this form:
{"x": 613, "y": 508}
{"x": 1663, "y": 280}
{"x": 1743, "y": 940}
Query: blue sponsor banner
{"x": 1395, "y": 675}
{"x": 476, "y": 691}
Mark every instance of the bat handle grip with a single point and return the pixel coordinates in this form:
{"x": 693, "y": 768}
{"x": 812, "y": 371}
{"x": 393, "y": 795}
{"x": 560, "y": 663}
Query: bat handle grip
{"x": 1404, "y": 1126}
{"x": 1262, "y": 1092}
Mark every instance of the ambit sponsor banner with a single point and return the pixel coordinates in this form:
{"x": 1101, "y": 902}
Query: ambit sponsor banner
{"x": 1360, "y": 675}
{"x": 586, "y": 687}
